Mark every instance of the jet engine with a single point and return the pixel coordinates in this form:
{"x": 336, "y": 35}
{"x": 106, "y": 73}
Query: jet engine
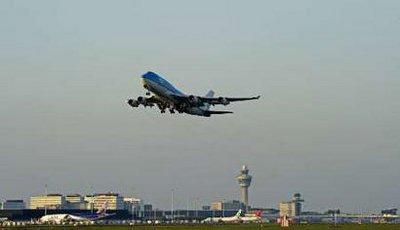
{"x": 133, "y": 103}
{"x": 223, "y": 100}
{"x": 141, "y": 100}
{"x": 194, "y": 99}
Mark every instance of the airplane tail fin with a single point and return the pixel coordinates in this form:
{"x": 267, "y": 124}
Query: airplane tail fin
{"x": 258, "y": 213}
{"x": 103, "y": 209}
{"x": 209, "y": 94}
{"x": 239, "y": 213}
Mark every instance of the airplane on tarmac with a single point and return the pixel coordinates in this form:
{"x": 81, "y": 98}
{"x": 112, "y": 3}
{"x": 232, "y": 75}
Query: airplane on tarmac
{"x": 252, "y": 218}
{"x": 166, "y": 96}
{"x": 239, "y": 217}
{"x": 59, "y": 218}
{"x": 3, "y": 219}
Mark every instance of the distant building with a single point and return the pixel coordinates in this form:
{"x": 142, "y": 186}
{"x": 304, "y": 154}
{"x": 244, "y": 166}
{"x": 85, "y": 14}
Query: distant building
{"x": 291, "y": 208}
{"x": 96, "y": 201}
{"x": 50, "y": 201}
{"x": 392, "y": 211}
{"x": 89, "y": 201}
{"x": 330, "y": 212}
{"x": 132, "y": 204}
{"x": 286, "y": 209}
{"x": 75, "y": 201}
{"x": 13, "y": 205}
{"x": 206, "y": 208}
{"x": 148, "y": 207}
{"x": 227, "y": 206}
{"x": 267, "y": 211}
{"x": 74, "y": 198}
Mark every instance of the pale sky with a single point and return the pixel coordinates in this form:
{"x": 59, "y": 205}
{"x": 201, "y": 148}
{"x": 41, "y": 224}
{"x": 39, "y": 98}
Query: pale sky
{"x": 327, "y": 124}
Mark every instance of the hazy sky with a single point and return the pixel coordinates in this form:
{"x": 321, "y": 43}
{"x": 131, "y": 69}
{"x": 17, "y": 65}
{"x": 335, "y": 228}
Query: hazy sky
{"x": 327, "y": 124}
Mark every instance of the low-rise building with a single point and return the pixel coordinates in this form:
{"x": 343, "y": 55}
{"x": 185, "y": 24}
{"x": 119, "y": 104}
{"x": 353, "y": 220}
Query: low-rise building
{"x": 75, "y": 201}
{"x": 96, "y": 201}
{"x": 148, "y": 207}
{"x": 13, "y": 205}
{"x": 291, "y": 208}
{"x": 74, "y": 198}
{"x": 49, "y": 201}
{"x": 132, "y": 204}
{"x": 227, "y": 206}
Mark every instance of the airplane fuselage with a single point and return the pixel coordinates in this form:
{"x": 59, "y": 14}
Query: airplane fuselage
{"x": 167, "y": 92}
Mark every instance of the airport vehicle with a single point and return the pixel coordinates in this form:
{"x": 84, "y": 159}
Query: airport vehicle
{"x": 60, "y": 218}
{"x": 166, "y": 96}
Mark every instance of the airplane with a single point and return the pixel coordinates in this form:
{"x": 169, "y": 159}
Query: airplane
{"x": 252, "y": 218}
{"x": 3, "y": 219}
{"x": 239, "y": 217}
{"x": 59, "y": 218}
{"x": 166, "y": 96}
{"x": 230, "y": 219}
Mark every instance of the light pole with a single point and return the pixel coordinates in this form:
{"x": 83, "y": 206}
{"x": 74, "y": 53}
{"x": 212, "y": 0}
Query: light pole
{"x": 196, "y": 208}
{"x": 132, "y": 207}
{"x": 2, "y": 200}
{"x": 187, "y": 209}
{"x": 92, "y": 200}
{"x": 45, "y": 206}
{"x": 172, "y": 204}
{"x": 223, "y": 207}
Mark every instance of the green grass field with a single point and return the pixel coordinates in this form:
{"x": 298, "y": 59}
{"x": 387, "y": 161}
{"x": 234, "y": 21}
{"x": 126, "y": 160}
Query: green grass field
{"x": 224, "y": 227}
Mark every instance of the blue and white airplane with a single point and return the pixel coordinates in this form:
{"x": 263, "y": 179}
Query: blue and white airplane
{"x": 166, "y": 96}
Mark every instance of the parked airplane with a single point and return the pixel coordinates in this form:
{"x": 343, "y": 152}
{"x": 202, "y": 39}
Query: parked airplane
{"x": 252, "y": 218}
{"x": 59, "y": 218}
{"x": 230, "y": 219}
{"x": 239, "y": 217}
{"x": 3, "y": 219}
{"x": 166, "y": 96}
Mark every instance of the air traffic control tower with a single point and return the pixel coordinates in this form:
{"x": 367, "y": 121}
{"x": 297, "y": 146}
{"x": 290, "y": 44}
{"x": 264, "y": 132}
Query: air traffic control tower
{"x": 244, "y": 180}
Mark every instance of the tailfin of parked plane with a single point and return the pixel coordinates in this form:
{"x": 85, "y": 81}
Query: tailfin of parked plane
{"x": 258, "y": 213}
{"x": 239, "y": 213}
{"x": 103, "y": 209}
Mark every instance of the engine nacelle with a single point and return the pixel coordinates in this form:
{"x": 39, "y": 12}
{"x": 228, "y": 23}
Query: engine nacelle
{"x": 223, "y": 101}
{"x": 141, "y": 100}
{"x": 194, "y": 99}
{"x": 133, "y": 103}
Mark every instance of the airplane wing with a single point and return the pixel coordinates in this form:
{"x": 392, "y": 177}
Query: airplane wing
{"x": 146, "y": 101}
{"x": 213, "y": 100}
{"x": 220, "y": 100}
